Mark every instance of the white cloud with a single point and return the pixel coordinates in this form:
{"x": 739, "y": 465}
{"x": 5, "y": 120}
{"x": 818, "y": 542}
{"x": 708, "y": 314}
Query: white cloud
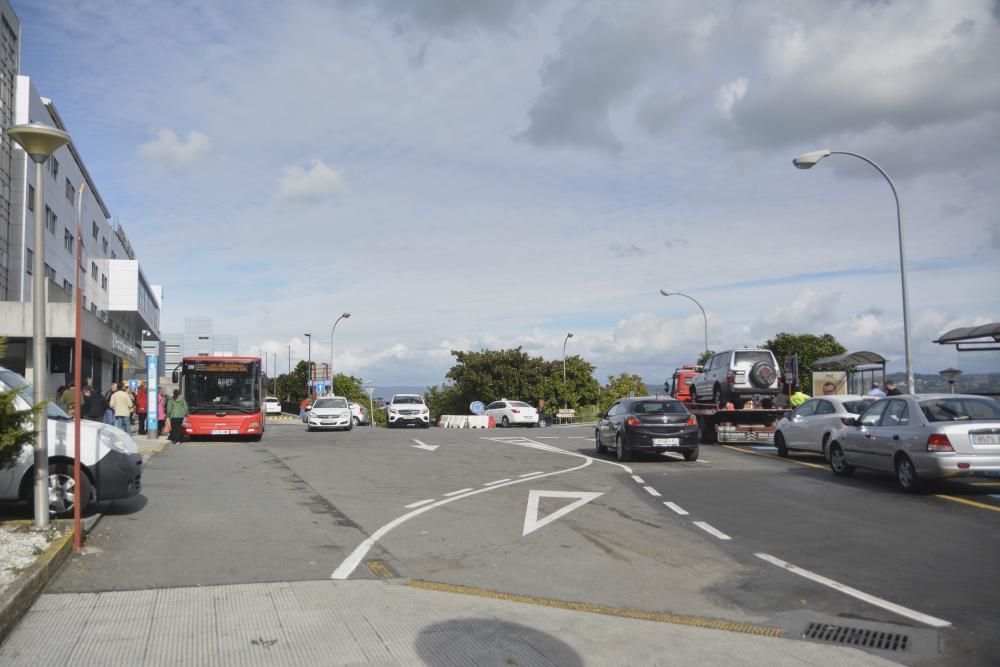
{"x": 170, "y": 150}
{"x": 308, "y": 185}
{"x": 729, "y": 95}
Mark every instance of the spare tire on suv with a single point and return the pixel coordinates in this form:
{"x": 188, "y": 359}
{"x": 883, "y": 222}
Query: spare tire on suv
{"x": 762, "y": 374}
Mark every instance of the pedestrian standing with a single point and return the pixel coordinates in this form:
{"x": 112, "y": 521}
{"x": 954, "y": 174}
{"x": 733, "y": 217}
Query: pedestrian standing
{"x": 93, "y": 405}
{"x": 67, "y": 399}
{"x": 109, "y": 414}
{"x": 876, "y": 391}
{"x": 177, "y": 410}
{"x": 122, "y": 405}
{"x": 161, "y": 411}
{"x": 141, "y": 403}
{"x": 891, "y": 389}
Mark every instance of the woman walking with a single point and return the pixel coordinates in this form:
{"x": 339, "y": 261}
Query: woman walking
{"x": 177, "y": 410}
{"x": 161, "y": 411}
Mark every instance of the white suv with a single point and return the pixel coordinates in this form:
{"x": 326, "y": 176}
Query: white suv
{"x": 406, "y": 409}
{"x": 736, "y": 375}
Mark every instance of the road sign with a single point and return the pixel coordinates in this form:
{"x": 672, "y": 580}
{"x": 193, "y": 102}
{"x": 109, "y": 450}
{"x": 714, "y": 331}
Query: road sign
{"x": 531, "y": 520}
{"x": 476, "y": 407}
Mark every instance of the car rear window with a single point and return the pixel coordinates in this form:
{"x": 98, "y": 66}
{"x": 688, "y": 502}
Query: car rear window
{"x": 668, "y": 407}
{"x": 753, "y": 356}
{"x": 960, "y": 409}
{"x": 519, "y": 404}
{"x": 856, "y": 407}
{"x": 331, "y": 403}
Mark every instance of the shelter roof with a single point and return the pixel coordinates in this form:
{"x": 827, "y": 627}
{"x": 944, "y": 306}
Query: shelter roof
{"x": 982, "y": 337}
{"x": 848, "y": 361}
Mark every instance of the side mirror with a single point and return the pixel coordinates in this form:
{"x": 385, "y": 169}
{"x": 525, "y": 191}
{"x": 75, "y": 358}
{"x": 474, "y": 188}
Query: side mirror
{"x": 852, "y": 421}
{"x": 307, "y": 408}
{"x": 176, "y": 376}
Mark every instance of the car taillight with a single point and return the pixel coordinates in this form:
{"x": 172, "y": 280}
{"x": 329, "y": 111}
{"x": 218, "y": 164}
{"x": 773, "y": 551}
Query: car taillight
{"x": 692, "y": 421}
{"x": 938, "y": 442}
{"x": 632, "y": 421}
{"x": 730, "y": 379}
{"x": 516, "y": 410}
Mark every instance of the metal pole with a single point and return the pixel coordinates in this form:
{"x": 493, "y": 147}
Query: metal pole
{"x": 77, "y": 373}
{"x": 39, "y": 361}
{"x": 331, "y": 348}
{"x": 309, "y": 365}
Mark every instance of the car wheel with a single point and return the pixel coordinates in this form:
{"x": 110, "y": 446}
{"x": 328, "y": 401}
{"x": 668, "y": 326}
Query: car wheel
{"x": 779, "y": 442}
{"x": 907, "y": 476}
{"x": 597, "y": 444}
{"x": 623, "y": 454}
{"x": 349, "y": 427}
{"x": 62, "y": 494}
{"x": 425, "y": 425}
{"x": 694, "y": 393}
{"x": 356, "y": 420}
{"x": 718, "y": 398}
{"x": 542, "y": 422}
{"x": 309, "y": 429}
{"x": 706, "y": 430}
{"x": 838, "y": 462}
{"x": 691, "y": 455}
{"x": 504, "y": 422}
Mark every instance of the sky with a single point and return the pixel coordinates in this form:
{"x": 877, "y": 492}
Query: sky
{"x": 462, "y": 174}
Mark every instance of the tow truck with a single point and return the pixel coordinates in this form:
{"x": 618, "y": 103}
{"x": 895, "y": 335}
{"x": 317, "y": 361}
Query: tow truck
{"x": 751, "y": 424}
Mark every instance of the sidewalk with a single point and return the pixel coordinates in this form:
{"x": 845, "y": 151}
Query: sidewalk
{"x": 368, "y": 622}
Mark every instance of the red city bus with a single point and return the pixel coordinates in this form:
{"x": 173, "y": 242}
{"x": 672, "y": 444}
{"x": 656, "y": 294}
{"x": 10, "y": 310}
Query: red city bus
{"x": 225, "y": 396}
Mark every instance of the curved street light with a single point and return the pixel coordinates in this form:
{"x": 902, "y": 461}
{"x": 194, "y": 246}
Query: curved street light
{"x": 670, "y": 292}
{"x": 40, "y": 142}
{"x": 342, "y": 317}
{"x": 566, "y": 340}
{"x": 807, "y": 161}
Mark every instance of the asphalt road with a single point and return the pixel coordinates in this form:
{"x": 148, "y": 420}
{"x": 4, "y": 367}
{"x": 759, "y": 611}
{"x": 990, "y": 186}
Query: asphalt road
{"x": 533, "y": 512}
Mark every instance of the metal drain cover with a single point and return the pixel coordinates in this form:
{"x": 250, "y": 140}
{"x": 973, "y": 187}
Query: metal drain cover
{"x": 858, "y": 637}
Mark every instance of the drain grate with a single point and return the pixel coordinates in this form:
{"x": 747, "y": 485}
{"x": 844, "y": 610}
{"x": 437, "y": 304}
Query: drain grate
{"x": 843, "y": 634}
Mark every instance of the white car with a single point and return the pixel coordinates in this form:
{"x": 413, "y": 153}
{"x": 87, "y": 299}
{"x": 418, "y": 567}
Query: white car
{"x": 272, "y": 406}
{"x": 359, "y": 414}
{"x": 329, "y": 412}
{"x": 406, "y": 409}
{"x": 809, "y": 426}
{"x": 508, "y": 413}
{"x": 110, "y": 464}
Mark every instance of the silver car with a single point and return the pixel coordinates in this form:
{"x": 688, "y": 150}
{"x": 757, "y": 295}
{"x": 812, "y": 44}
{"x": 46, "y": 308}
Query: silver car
{"x": 808, "y": 427}
{"x": 920, "y": 438}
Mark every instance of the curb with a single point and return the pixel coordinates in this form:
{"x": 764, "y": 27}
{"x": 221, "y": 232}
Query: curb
{"x": 25, "y": 589}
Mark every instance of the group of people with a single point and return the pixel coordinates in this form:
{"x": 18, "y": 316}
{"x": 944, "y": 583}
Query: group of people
{"x": 120, "y": 404}
{"x": 890, "y": 389}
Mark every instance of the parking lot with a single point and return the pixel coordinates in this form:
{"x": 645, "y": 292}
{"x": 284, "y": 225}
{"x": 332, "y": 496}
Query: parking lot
{"x": 740, "y": 539}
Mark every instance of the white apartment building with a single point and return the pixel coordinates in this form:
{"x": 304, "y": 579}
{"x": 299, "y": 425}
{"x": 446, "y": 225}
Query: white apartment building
{"x": 119, "y": 303}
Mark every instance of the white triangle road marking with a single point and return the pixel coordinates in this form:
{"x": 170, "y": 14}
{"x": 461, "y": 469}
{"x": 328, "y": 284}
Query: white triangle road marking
{"x": 421, "y": 445}
{"x": 531, "y": 520}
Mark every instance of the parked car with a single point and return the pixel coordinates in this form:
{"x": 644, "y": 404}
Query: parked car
{"x": 110, "y": 464}
{"x": 359, "y": 414}
{"x": 921, "y": 438}
{"x": 406, "y": 409}
{"x": 808, "y": 427}
{"x": 329, "y": 412}
{"x": 652, "y": 424}
{"x": 272, "y": 406}
{"x": 508, "y": 413}
{"x": 736, "y": 376}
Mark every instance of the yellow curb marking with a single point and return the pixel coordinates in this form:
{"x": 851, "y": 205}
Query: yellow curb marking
{"x": 777, "y": 458}
{"x": 675, "y": 619}
{"x": 972, "y": 503}
{"x": 379, "y": 569}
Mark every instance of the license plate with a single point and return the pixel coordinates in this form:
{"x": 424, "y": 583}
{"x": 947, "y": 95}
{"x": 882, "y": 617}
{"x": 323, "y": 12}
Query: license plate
{"x": 985, "y": 439}
{"x": 663, "y": 442}
{"x": 224, "y": 432}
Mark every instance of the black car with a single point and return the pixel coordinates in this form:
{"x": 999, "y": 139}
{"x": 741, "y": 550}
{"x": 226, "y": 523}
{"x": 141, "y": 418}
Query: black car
{"x": 650, "y": 424}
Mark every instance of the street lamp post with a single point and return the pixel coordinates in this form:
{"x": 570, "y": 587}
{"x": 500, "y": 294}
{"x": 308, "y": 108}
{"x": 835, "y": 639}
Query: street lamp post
{"x": 806, "y": 161}
{"x": 950, "y": 375}
{"x": 566, "y": 340}
{"x": 670, "y": 292}
{"x": 309, "y": 364}
{"x": 344, "y": 316}
{"x": 39, "y": 142}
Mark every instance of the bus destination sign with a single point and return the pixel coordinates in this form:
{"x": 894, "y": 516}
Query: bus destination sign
{"x": 220, "y": 367}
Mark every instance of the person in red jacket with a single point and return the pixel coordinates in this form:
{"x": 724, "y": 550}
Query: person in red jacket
{"x": 141, "y": 403}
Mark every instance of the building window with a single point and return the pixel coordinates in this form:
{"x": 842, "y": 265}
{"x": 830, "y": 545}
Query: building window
{"x": 85, "y": 302}
{"x": 93, "y": 270}
{"x": 30, "y": 260}
{"x": 94, "y": 229}
{"x": 104, "y": 282}
{"x": 67, "y": 286}
{"x": 113, "y": 255}
{"x": 50, "y": 273}
{"x": 104, "y": 246}
{"x": 93, "y": 308}
{"x": 53, "y": 164}
{"x": 31, "y": 197}
{"x": 68, "y": 240}
{"x": 69, "y": 190}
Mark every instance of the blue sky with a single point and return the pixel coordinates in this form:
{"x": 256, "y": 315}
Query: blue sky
{"x": 461, "y": 175}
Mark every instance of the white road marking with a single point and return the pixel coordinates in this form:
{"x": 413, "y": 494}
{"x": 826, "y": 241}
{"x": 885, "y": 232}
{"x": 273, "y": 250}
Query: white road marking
{"x": 712, "y": 530}
{"x": 651, "y": 491}
{"x": 677, "y": 508}
{"x": 526, "y": 442}
{"x": 418, "y": 503}
{"x": 853, "y": 592}
{"x": 529, "y": 474}
{"x": 531, "y": 520}
{"x": 350, "y": 563}
{"x": 577, "y": 437}
{"x": 547, "y": 437}
{"x": 497, "y": 481}
{"x": 638, "y": 479}
{"x": 455, "y": 493}
{"x": 421, "y": 445}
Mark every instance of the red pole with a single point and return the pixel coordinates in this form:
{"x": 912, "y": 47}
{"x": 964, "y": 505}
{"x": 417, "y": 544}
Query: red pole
{"x": 77, "y": 372}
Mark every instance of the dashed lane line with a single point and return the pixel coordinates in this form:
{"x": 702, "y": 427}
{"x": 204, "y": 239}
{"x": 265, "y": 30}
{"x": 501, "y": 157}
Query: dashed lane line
{"x": 455, "y": 493}
{"x": 651, "y": 491}
{"x": 497, "y": 481}
{"x": 712, "y": 530}
{"x": 855, "y": 593}
{"x": 676, "y": 508}
{"x": 419, "y": 503}
{"x": 638, "y": 480}
{"x": 529, "y": 474}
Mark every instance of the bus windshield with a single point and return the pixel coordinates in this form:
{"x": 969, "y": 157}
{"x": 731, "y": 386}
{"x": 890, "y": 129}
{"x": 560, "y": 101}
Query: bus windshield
{"x": 230, "y": 389}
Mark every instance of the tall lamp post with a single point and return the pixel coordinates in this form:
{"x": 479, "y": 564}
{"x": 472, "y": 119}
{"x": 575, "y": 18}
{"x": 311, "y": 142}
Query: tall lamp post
{"x": 309, "y": 365}
{"x": 39, "y": 142}
{"x": 670, "y": 292}
{"x": 566, "y": 340}
{"x": 806, "y": 161}
{"x": 950, "y": 375}
{"x": 344, "y": 316}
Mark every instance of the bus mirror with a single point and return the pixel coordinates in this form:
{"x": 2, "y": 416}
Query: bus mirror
{"x": 176, "y": 376}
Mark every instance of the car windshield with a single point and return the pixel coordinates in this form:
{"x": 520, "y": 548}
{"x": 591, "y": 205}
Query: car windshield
{"x": 752, "y": 356}
{"x": 960, "y": 409}
{"x": 330, "y": 403}
{"x": 661, "y": 407}
{"x": 15, "y": 381}
{"x": 408, "y": 399}
{"x": 519, "y": 404}
{"x": 856, "y": 407}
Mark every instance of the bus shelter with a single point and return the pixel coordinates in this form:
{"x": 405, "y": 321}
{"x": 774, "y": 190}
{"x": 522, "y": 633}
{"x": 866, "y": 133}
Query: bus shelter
{"x": 862, "y": 368}
{"x": 973, "y": 339}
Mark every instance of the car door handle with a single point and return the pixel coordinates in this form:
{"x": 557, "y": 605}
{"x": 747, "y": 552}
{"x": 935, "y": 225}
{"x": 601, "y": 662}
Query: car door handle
{"x": 895, "y": 437}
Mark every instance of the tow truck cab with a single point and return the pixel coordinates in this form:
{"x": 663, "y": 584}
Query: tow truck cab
{"x": 679, "y": 385}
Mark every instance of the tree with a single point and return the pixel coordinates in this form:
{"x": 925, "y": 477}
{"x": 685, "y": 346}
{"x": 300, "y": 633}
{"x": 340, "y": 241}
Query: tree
{"x": 705, "y": 356}
{"x": 13, "y": 434}
{"x": 809, "y": 347}
{"x": 349, "y": 387}
{"x": 294, "y": 386}
{"x": 619, "y": 387}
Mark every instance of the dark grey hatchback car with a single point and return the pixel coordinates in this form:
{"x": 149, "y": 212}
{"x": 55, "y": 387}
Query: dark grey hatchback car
{"x": 647, "y": 424}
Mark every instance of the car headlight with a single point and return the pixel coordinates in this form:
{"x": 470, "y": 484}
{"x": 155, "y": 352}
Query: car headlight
{"x": 119, "y": 442}
{"x": 423, "y": 411}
